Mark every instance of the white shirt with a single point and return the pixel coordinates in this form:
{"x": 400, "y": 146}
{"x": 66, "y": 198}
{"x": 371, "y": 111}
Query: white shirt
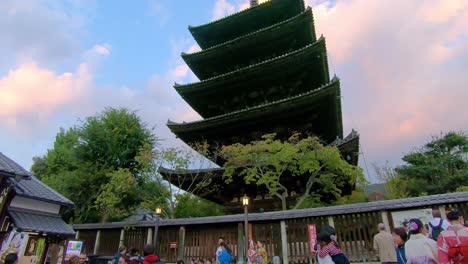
{"x": 436, "y": 221}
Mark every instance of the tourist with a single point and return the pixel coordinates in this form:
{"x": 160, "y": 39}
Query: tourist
{"x": 252, "y": 256}
{"x": 208, "y": 261}
{"x": 11, "y": 258}
{"x": 201, "y": 262}
{"x": 135, "y": 257}
{"x": 122, "y": 252}
{"x": 124, "y": 259}
{"x": 383, "y": 244}
{"x": 149, "y": 256}
{"x": 75, "y": 259}
{"x": 399, "y": 238}
{"x": 219, "y": 250}
{"x": 327, "y": 246}
{"x": 226, "y": 253}
{"x": 437, "y": 225}
{"x": 453, "y": 242}
{"x": 420, "y": 249}
{"x": 83, "y": 258}
{"x": 193, "y": 261}
{"x": 262, "y": 253}
{"x": 180, "y": 261}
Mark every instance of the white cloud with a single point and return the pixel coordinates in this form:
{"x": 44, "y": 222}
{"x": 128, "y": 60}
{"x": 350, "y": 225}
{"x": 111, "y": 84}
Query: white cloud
{"x": 222, "y": 8}
{"x": 102, "y": 49}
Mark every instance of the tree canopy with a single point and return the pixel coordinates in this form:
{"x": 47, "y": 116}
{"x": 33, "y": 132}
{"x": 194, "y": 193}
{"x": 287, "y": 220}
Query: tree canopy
{"x": 95, "y": 164}
{"x": 266, "y": 162}
{"x": 439, "y": 166}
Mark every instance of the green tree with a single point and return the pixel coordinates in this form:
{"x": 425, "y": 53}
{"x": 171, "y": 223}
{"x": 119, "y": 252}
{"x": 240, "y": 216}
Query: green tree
{"x": 396, "y": 186}
{"x": 439, "y": 166}
{"x": 95, "y": 164}
{"x": 185, "y": 175}
{"x": 266, "y": 162}
{"x": 189, "y": 205}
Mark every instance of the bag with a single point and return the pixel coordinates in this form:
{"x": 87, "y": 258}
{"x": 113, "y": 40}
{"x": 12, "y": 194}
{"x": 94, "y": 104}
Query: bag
{"x": 436, "y": 230}
{"x": 325, "y": 260}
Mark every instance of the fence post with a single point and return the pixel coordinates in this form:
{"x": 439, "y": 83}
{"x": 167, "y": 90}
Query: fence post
{"x": 240, "y": 243}
{"x": 97, "y": 242}
{"x": 385, "y": 220}
{"x": 77, "y": 235}
{"x": 284, "y": 242}
{"x": 442, "y": 212}
{"x": 149, "y": 237}
{"x": 122, "y": 237}
{"x": 331, "y": 222}
{"x": 180, "y": 250}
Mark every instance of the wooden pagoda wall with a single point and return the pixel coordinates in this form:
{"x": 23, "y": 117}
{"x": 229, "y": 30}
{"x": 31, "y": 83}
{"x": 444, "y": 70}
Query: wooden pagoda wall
{"x": 355, "y": 233}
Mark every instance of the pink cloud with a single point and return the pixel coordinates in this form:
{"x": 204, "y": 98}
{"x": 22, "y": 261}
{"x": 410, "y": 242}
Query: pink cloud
{"x": 401, "y": 68}
{"x": 30, "y": 89}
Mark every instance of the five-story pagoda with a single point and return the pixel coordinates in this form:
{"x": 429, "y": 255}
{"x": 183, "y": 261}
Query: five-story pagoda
{"x": 262, "y": 70}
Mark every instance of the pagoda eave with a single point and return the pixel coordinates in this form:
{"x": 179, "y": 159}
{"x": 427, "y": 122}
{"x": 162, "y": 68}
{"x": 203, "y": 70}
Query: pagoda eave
{"x": 245, "y": 21}
{"x": 322, "y": 105}
{"x": 281, "y": 38}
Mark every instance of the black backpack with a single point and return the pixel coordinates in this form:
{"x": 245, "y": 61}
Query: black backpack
{"x": 436, "y": 230}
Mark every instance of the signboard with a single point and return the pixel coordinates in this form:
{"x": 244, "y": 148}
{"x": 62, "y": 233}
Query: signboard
{"x": 73, "y": 248}
{"x": 425, "y": 215}
{"x": 312, "y": 231}
{"x": 173, "y": 245}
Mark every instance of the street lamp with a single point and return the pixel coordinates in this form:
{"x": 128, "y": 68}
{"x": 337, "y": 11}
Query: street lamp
{"x": 158, "y": 212}
{"x": 245, "y": 203}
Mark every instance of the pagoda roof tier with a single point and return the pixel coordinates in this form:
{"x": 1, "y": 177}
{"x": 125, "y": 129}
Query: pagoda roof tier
{"x": 288, "y": 75}
{"x": 275, "y": 40}
{"x": 245, "y": 21}
{"x": 316, "y": 112}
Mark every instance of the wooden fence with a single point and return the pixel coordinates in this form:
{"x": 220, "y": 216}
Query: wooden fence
{"x": 197, "y": 237}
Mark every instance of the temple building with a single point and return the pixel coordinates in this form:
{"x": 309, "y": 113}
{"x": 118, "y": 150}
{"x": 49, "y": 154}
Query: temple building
{"x": 261, "y": 70}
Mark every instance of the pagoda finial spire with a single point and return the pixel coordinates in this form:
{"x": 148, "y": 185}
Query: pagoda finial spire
{"x": 253, "y": 3}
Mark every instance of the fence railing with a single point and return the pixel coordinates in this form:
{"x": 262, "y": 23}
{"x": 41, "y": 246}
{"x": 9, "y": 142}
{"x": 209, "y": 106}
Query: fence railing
{"x": 197, "y": 238}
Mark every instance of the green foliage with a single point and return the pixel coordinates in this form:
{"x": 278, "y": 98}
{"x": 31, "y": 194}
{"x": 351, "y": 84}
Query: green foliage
{"x": 117, "y": 197}
{"x": 184, "y": 170}
{"x": 266, "y": 162}
{"x": 462, "y": 189}
{"x": 356, "y": 196}
{"x": 96, "y": 164}
{"x": 439, "y": 166}
{"x": 395, "y": 185}
{"x": 193, "y": 206}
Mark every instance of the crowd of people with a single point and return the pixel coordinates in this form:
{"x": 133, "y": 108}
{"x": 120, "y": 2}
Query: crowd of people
{"x": 439, "y": 241}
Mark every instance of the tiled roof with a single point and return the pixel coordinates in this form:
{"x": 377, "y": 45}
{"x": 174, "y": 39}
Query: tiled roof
{"x": 34, "y": 222}
{"x": 36, "y": 189}
{"x": 11, "y": 168}
{"x": 400, "y": 204}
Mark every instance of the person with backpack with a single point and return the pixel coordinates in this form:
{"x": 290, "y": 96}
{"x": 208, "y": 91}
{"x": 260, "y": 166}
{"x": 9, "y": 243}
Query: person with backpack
{"x": 149, "y": 256}
{"x": 453, "y": 242}
{"x": 437, "y": 225}
{"x": 135, "y": 257}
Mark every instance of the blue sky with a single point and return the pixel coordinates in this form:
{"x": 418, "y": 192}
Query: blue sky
{"x": 402, "y": 66}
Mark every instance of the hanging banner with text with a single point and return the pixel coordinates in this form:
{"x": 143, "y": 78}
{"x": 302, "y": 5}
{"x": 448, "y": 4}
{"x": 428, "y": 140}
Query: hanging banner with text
{"x": 312, "y": 230}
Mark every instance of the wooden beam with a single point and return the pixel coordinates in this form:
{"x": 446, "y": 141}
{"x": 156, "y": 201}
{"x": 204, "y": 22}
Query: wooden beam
{"x": 385, "y": 220}
{"x": 97, "y": 242}
{"x": 180, "y": 250}
{"x": 284, "y": 242}
{"x": 122, "y": 237}
{"x": 331, "y": 222}
{"x": 240, "y": 241}
{"x": 149, "y": 237}
{"x": 77, "y": 235}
